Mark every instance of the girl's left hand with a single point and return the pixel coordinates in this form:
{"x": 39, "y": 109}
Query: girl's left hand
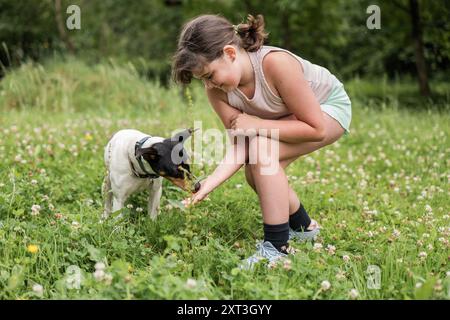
{"x": 245, "y": 121}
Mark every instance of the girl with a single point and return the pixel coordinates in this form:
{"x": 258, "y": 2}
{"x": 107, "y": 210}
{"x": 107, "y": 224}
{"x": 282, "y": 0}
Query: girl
{"x": 252, "y": 86}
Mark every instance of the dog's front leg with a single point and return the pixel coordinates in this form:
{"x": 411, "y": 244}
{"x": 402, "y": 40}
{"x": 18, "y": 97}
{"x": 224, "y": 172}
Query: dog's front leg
{"x": 154, "y": 198}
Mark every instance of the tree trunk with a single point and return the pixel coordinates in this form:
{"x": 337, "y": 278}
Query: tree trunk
{"x": 418, "y": 48}
{"x": 61, "y": 27}
{"x": 286, "y": 30}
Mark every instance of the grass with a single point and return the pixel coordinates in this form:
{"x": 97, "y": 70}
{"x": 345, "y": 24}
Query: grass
{"x": 381, "y": 195}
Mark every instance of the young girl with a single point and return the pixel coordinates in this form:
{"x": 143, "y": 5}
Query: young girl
{"x": 252, "y": 86}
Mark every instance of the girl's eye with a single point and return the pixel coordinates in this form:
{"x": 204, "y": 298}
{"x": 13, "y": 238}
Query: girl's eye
{"x": 210, "y": 76}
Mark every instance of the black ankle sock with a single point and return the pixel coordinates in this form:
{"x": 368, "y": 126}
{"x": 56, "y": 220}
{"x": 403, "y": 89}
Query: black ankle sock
{"x": 278, "y": 235}
{"x": 300, "y": 219}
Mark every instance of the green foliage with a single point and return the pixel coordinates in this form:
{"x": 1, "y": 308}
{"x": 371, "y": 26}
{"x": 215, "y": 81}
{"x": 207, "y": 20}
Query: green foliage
{"x": 380, "y": 194}
{"x": 327, "y": 32}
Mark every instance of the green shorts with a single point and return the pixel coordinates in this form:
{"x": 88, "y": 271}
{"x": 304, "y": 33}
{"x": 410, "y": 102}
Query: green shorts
{"x": 339, "y": 107}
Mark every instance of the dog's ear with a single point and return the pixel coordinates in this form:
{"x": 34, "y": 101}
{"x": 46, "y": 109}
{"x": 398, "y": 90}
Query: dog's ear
{"x": 150, "y": 152}
{"x": 182, "y": 136}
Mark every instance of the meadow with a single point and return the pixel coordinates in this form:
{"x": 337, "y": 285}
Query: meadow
{"x": 381, "y": 195}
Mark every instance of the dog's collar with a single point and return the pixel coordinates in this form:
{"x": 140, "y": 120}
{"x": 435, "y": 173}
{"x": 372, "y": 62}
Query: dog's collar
{"x": 146, "y": 174}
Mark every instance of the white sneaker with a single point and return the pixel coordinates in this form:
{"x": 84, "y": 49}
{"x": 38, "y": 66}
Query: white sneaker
{"x": 265, "y": 250}
{"x": 305, "y": 235}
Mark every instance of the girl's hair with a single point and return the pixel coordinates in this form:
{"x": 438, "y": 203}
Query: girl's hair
{"x": 203, "y": 38}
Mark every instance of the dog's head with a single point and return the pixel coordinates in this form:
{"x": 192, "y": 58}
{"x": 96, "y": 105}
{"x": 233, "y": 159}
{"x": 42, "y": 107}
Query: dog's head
{"x": 169, "y": 159}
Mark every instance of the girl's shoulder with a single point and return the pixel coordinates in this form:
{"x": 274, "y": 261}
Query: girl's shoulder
{"x": 278, "y": 65}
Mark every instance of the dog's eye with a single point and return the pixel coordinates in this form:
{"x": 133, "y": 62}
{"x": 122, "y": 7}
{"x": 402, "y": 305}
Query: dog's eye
{"x": 180, "y": 153}
{"x": 180, "y": 139}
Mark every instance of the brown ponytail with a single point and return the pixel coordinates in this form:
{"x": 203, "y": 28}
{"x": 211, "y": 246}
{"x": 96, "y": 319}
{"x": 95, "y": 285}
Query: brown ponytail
{"x": 252, "y": 33}
{"x": 203, "y": 38}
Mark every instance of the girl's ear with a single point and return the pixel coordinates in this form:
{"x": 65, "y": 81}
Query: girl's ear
{"x": 230, "y": 52}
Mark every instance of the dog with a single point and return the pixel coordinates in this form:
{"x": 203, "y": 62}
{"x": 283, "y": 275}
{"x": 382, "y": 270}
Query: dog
{"x": 136, "y": 161}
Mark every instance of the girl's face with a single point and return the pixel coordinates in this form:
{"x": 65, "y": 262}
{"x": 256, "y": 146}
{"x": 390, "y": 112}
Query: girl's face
{"x": 223, "y": 73}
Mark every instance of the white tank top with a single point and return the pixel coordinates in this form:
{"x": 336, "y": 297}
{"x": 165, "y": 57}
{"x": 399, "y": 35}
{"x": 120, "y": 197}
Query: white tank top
{"x": 264, "y": 103}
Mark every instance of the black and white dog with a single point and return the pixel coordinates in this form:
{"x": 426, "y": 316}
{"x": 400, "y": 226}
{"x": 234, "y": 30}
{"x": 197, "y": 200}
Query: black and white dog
{"x": 136, "y": 161}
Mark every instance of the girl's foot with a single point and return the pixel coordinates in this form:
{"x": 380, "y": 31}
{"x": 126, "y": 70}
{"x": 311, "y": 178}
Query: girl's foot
{"x": 265, "y": 250}
{"x": 308, "y": 235}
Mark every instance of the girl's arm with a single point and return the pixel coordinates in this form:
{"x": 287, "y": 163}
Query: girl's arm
{"x": 236, "y": 154}
{"x": 231, "y": 163}
{"x": 286, "y": 75}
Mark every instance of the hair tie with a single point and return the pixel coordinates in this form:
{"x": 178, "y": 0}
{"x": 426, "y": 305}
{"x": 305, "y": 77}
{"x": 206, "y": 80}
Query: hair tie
{"x": 236, "y": 28}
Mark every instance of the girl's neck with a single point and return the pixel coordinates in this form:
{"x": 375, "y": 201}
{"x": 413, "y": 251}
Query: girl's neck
{"x": 247, "y": 69}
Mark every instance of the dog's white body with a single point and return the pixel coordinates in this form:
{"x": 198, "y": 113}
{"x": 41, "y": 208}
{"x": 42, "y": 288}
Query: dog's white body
{"x": 120, "y": 181}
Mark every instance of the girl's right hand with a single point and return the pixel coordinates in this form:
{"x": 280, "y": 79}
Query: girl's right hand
{"x": 201, "y": 194}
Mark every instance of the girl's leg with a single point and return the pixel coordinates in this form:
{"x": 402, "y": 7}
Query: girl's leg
{"x": 294, "y": 202}
{"x": 273, "y": 190}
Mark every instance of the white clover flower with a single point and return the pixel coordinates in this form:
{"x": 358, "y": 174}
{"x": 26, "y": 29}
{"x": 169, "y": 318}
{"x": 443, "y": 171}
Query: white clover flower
{"x": 287, "y": 264}
{"x": 419, "y": 285}
{"x": 346, "y": 258}
{"x": 35, "y": 208}
{"x": 100, "y": 266}
{"x": 353, "y": 294}
{"x": 34, "y": 182}
{"x": 238, "y": 186}
{"x": 272, "y": 264}
{"x": 325, "y": 285}
{"x": 108, "y": 278}
{"x": 99, "y": 275}
{"x": 340, "y": 275}
{"x": 38, "y": 289}
{"x": 139, "y": 209}
{"x": 130, "y": 206}
{"x": 447, "y": 273}
{"x": 396, "y": 233}
{"x": 422, "y": 255}
{"x": 191, "y": 283}
{"x": 331, "y": 249}
{"x": 317, "y": 246}
{"x": 75, "y": 224}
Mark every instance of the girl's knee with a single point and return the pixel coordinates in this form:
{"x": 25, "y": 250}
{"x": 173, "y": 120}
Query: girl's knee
{"x": 262, "y": 151}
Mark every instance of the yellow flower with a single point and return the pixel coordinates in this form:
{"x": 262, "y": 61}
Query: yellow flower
{"x": 32, "y": 248}
{"x": 88, "y": 137}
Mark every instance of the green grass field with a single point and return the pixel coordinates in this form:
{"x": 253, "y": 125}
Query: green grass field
{"x": 381, "y": 195}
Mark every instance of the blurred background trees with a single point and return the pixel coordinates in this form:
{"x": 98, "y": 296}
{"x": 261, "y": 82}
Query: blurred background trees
{"x": 414, "y": 39}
